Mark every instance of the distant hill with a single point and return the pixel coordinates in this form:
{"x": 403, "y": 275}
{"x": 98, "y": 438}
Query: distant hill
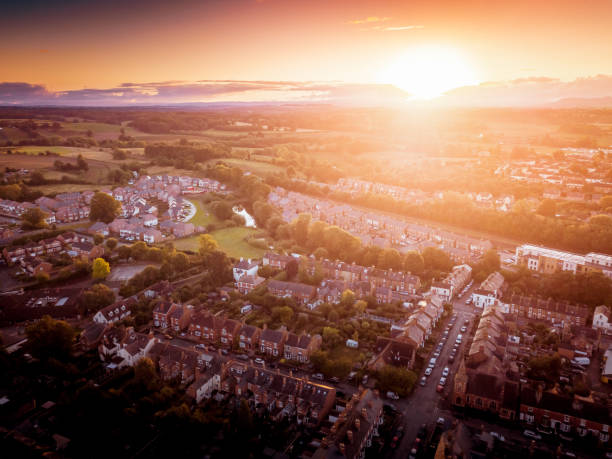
{"x": 583, "y": 102}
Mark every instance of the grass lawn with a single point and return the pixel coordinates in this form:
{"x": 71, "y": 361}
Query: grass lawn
{"x": 231, "y": 241}
{"x": 35, "y": 149}
{"x": 203, "y": 217}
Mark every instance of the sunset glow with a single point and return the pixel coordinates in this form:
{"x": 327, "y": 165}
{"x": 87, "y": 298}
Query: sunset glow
{"x": 430, "y": 71}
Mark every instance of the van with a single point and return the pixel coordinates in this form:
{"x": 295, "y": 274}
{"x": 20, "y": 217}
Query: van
{"x": 459, "y": 338}
{"x": 581, "y": 361}
{"x": 392, "y": 395}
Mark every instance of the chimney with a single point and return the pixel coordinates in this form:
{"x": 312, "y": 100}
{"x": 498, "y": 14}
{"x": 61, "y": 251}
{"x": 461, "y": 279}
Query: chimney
{"x": 349, "y": 435}
{"x": 539, "y": 393}
{"x": 357, "y": 424}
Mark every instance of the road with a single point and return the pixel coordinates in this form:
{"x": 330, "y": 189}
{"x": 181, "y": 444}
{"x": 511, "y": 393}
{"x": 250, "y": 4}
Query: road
{"x": 425, "y": 405}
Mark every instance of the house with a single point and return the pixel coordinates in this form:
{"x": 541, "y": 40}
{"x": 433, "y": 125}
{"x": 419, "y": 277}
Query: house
{"x": 115, "y": 312}
{"x": 570, "y": 417}
{"x": 393, "y": 352}
{"x": 180, "y": 317}
{"x": 281, "y": 395}
{"x": 300, "y": 348}
{"x": 299, "y": 292}
{"x": 85, "y": 250}
{"x": 353, "y": 430}
{"x": 245, "y": 267}
{"x": 247, "y": 283}
{"x": 206, "y": 381}
{"x": 161, "y": 314}
{"x": 248, "y": 337}
{"x": 99, "y": 228}
{"x": 125, "y": 347}
{"x": 91, "y": 336}
{"x": 276, "y": 260}
{"x": 536, "y": 308}
{"x": 489, "y": 291}
{"x": 272, "y": 342}
{"x": 601, "y": 319}
{"x": 151, "y": 235}
{"x": 177, "y": 363}
{"x": 35, "y": 266}
{"x": 228, "y": 332}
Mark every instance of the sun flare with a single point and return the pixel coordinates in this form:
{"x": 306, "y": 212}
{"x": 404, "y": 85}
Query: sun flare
{"x": 428, "y": 72}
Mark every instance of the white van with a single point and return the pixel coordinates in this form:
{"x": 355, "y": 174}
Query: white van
{"x": 581, "y": 361}
{"x": 459, "y": 339}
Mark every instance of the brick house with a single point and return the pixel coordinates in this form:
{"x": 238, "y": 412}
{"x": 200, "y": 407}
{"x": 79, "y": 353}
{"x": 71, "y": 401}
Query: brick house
{"x": 272, "y": 342}
{"x": 248, "y": 337}
{"x": 300, "y": 348}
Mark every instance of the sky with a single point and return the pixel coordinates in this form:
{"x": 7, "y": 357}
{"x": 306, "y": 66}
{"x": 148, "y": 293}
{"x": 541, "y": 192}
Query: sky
{"x": 158, "y": 51}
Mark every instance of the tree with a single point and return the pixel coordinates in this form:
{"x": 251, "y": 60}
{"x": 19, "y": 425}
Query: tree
{"x": 435, "y": 258}
{"x": 360, "y": 306}
{"x": 81, "y": 163}
{"x": 284, "y": 314}
{"x": 414, "y": 263}
{"x": 111, "y": 243}
{"x": 124, "y": 252}
{"x": 103, "y": 208}
{"x": 50, "y": 338}
{"x": 347, "y": 298}
{"x": 207, "y": 244}
{"x": 331, "y": 337}
{"x": 180, "y": 262}
{"x": 33, "y": 218}
{"x": 320, "y": 253}
{"x": 98, "y": 239}
{"x": 292, "y": 268}
{"x": 100, "y": 269}
{"x": 96, "y": 298}
{"x": 222, "y": 210}
{"x": 300, "y": 228}
{"x": 394, "y": 379}
{"x": 547, "y": 208}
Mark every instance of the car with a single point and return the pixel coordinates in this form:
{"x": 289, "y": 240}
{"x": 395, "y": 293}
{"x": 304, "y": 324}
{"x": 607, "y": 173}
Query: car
{"x": 459, "y": 339}
{"x": 466, "y": 322}
{"x": 200, "y": 346}
{"x": 334, "y": 379}
{"x": 445, "y": 372}
{"x": 468, "y": 301}
{"x": 531, "y": 434}
{"x": 422, "y": 431}
{"x": 259, "y": 361}
{"x": 445, "y": 332}
{"x": 392, "y": 395}
{"x": 499, "y": 436}
{"x": 451, "y": 358}
{"x": 318, "y": 376}
{"x": 224, "y": 352}
{"x": 441, "y": 421}
{"x": 436, "y": 354}
{"x": 459, "y": 296}
{"x": 439, "y": 388}
{"x": 463, "y": 329}
{"x": 364, "y": 380}
{"x": 243, "y": 357}
{"x": 443, "y": 381}
{"x": 428, "y": 371}
{"x": 432, "y": 361}
{"x": 423, "y": 381}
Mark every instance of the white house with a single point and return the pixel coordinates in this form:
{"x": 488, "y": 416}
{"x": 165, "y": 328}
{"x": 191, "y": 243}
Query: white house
{"x": 601, "y": 319}
{"x": 243, "y": 267}
{"x": 489, "y": 291}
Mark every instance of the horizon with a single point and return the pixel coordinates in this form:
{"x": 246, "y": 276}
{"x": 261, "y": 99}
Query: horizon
{"x": 366, "y": 53}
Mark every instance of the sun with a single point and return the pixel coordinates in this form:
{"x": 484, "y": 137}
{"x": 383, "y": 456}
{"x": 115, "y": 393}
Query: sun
{"x": 428, "y": 72}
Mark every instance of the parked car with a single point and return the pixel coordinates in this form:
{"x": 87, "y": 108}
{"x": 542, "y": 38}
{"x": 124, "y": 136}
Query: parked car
{"x": 439, "y": 388}
{"x": 436, "y": 354}
{"x": 428, "y": 371}
{"x": 468, "y": 301}
{"x": 318, "y": 376}
{"x": 443, "y": 381}
{"x": 441, "y": 421}
{"x": 224, "y": 352}
{"x": 364, "y": 380}
{"x": 243, "y": 357}
{"x": 392, "y": 395}
{"x": 463, "y": 329}
{"x": 423, "y": 381}
{"x": 334, "y": 379}
{"x": 451, "y": 358}
{"x": 499, "y": 436}
{"x": 531, "y": 434}
{"x": 445, "y": 372}
{"x": 259, "y": 361}
{"x": 200, "y": 346}
{"x": 432, "y": 361}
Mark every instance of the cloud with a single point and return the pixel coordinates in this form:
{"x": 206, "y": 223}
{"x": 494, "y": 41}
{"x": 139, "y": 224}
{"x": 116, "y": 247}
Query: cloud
{"x": 369, "y": 20}
{"x": 16, "y": 92}
{"x": 176, "y": 92}
{"x": 532, "y": 91}
{"x": 397, "y": 28}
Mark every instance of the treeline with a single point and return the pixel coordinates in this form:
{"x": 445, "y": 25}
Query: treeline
{"x": 592, "y": 289}
{"x": 19, "y": 192}
{"x": 521, "y": 226}
{"x": 185, "y": 152}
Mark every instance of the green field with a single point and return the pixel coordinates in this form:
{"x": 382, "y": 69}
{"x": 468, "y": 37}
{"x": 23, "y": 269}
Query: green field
{"x": 231, "y": 241}
{"x": 203, "y": 217}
